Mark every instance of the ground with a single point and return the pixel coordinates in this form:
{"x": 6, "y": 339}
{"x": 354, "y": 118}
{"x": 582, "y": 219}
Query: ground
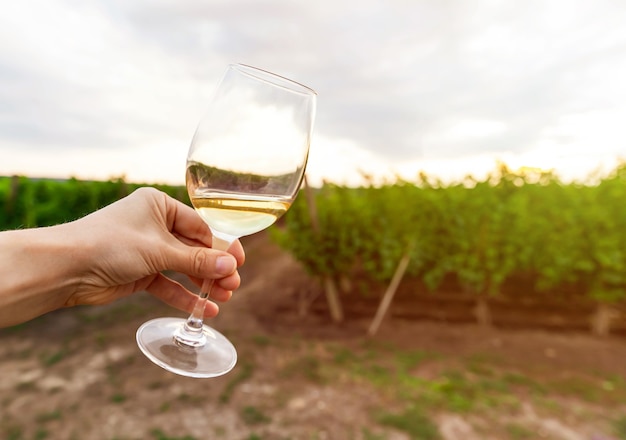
{"x": 77, "y": 374}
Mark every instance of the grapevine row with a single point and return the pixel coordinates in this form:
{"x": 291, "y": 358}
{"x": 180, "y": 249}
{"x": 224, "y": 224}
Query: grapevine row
{"x": 26, "y": 202}
{"x": 483, "y": 233}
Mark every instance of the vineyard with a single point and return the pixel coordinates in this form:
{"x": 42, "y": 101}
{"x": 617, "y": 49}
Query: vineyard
{"x": 489, "y": 247}
{"x": 26, "y": 202}
{"x": 513, "y": 241}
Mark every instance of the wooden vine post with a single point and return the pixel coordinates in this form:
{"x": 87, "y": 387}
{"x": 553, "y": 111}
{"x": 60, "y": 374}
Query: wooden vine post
{"x": 482, "y": 312}
{"x": 390, "y": 292}
{"x": 602, "y": 318}
{"x": 13, "y": 195}
{"x": 330, "y": 287}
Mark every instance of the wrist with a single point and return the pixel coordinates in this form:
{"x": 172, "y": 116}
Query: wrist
{"x": 39, "y": 271}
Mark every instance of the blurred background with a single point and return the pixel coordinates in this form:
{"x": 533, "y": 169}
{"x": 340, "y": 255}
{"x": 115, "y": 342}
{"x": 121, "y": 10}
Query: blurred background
{"x": 466, "y": 165}
{"x": 96, "y": 89}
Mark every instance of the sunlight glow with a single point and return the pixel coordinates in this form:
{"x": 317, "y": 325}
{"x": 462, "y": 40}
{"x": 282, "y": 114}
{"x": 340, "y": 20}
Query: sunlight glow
{"x": 250, "y": 141}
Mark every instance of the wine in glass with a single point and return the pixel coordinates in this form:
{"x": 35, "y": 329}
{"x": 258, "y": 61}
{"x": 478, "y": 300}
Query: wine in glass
{"x": 245, "y": 166}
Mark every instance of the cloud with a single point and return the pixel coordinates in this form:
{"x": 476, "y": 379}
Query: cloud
{"x": 75, "y": 77}
{"x": 401, "y": 81}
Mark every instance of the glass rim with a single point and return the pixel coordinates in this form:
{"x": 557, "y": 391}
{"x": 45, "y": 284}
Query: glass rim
{"x": 273, "y": 78}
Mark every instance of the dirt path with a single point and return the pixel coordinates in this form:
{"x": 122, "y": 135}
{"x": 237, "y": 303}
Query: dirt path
{"x": 77, "y": 374}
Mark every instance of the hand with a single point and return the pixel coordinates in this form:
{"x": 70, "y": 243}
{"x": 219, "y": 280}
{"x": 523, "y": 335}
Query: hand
{"x": 111, "y": 253}
{"x": 138, "y": 237}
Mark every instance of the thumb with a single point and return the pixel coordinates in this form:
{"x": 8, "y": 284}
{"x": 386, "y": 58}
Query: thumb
{"x": 200, "y": 262}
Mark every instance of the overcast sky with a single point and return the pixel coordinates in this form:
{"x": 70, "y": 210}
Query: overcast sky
{"x": 102, "y": 88}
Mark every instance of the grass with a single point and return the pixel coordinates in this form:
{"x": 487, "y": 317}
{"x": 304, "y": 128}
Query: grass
{"x": 243, "y": 373}
{"x": 519, "y": 432}
{"x": 411, "y": 359}
{"x": 251, "y": 415}
{"x": 369, "y": 435}
{"x": 158, "y": 434}
{"x": 474, "y": 384}
{"x": 590, "y": 389}
{"x": 156, "y": 385}
{"x": 41, "y": 434}
{"x": 453, "y": 389}
{"x": 414, "y": 421}
{"x": 192, "y": 399}
{"x": 115, "y": 314}
{"x": 619, "y": 426}
{"x": 427, "y": 383}
{"x": 101, "y": 339}
{"x": 118, "y": 398}
{"x": 261, "y": 340}
{"x": 49, "y": 359}
{"x": 26, "y": 386}
{"x": 14, "y": 433}
{"x": 49, "y": 416}
{"x": 417, "y": 386}
{"x": 308, "y": 366}
{"x": 516, "y": 380}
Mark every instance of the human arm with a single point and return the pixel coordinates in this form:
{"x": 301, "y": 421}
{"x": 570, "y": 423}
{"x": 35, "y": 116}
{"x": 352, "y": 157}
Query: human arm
{"x": 111, "y": 253}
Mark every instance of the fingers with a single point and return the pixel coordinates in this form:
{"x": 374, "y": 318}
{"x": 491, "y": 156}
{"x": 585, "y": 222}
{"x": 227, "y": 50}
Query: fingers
{"x": 237, "y": 251}
{"x": 223, "y": 288}
{"x": 218, "y": 293}
{"x": 185, "y": 223}
{"x": 188, "y": 251}
{"x": 175, "y": 295}
{"x": 188, "y": 227}
{"x": 221, "y": 295}
{"x": 190, "y": 230}
{"x": 198, "y": 262}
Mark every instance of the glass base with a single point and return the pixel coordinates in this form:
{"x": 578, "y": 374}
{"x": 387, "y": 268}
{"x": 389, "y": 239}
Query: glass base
{"x": 215, "y": 358}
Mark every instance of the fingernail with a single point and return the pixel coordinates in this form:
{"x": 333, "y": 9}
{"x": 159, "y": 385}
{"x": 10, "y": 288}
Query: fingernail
{"x": 225, "y": 265}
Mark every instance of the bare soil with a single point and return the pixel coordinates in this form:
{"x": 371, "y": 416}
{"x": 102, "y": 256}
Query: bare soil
{"x": 77, "y": 373}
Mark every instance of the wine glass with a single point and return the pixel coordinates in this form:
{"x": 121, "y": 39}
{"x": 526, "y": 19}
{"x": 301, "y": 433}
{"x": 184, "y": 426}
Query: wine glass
{"x": 245, "y": 166}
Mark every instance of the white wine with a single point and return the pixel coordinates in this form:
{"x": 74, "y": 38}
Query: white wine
{"x": 239, "y": 215}
{"x": 245, "y": 166}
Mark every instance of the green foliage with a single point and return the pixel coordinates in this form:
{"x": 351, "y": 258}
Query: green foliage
{"x": 26, "y": 203}
{"x": 481, "y": 233}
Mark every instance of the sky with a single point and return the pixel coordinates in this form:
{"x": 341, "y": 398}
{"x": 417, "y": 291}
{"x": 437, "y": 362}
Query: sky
{"x": 111, "y": 88}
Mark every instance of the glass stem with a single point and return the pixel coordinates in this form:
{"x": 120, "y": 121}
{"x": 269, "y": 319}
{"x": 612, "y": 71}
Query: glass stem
{"x": 191, "y": 333}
